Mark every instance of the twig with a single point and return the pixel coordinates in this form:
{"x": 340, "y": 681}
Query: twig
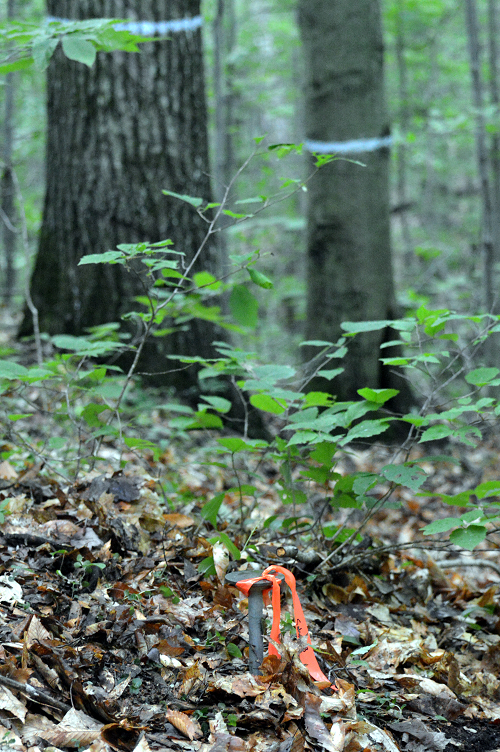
{"x": 451, "y": 563}
{"x": 35, "y": 694}
{"x": 29, "y": 299}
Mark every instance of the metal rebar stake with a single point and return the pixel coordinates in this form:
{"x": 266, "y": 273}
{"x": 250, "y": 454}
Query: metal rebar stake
{"x": 255, "y": 613}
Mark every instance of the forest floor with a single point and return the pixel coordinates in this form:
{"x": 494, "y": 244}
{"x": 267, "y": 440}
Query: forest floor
{"x": 112, "y": 637}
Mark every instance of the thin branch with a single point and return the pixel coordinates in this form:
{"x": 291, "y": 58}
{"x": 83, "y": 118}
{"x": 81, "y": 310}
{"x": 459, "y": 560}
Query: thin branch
{"x": 34, "y": 694}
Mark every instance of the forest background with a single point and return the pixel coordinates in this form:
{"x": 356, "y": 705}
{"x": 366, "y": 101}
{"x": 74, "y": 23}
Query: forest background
{"x": 119, "y": 501}
{"x": 443, "y": 103}
{"x": 436, "y": 185}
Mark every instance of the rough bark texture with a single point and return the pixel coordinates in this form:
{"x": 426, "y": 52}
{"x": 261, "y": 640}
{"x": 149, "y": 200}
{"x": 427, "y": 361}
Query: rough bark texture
{"x": 349, "y": 256}
{"x": 118, "y": 134}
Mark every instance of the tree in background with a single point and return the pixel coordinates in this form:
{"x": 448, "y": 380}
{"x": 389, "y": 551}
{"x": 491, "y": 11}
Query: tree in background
{"x": 8, "y": 218}
{"x": 118, "y": 133}
{"x": 350, "y": 274}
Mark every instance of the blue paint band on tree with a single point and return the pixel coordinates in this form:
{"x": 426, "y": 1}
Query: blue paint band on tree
{"x": 357, "y": 146}
{"x": 149, "y": 28}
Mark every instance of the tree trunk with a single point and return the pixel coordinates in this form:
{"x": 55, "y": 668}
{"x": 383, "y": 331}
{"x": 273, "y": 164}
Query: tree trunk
{"x": 8, "y": 190}
{"x": 350, "y": 274}
{"x": 119, "y": 133}
{"x": 493, "y": 28}
{"x": 472, "y": 26}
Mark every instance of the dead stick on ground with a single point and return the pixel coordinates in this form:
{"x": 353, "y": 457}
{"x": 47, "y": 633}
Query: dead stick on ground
{"x": 35, "y": 694}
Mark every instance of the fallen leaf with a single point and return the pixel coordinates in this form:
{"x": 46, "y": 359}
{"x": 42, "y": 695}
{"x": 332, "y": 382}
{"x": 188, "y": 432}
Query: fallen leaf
{"x": 184, "y": 724}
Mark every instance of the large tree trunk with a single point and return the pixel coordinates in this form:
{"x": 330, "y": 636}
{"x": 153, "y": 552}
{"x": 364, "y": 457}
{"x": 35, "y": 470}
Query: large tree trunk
{"x": 119, "y": 133}
{"x": 8, "y": 189}
{"x": 350, "y": 274}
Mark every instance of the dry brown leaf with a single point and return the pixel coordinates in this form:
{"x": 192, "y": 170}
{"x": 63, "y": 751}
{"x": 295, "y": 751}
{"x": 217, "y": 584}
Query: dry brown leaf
{"x": 11, "y": 704}
{"x": 369, "y": 737}
{"x": 184, "y": 724}
{"x": 69, "y": 737}
{"x": 221, "y": 560}
{"x": 121, "y": 736}
{"x": 10, "y": 739}
{"x": 36, "y": 632}
{"x": 179, "y": 520}
{"x": 316, "y": 728}
{"x": 294, "y": 743}
{"x": 7, "y": 472}
{"x": 142, "y": 745}
{"x": 434, "y": 688}
{"x": 342, "y": 701}
{"x": 191, "y": 678}
{"x": 244, "y": 685}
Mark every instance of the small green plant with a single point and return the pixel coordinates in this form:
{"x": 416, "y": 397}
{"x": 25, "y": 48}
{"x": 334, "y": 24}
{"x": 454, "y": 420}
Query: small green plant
{"x": 135, "y": 685}
{"x": 87, "y": 565}
{"x": 169, "y": 593}
{"x": 437, "y": 351}
{"x": 4, "y": 510}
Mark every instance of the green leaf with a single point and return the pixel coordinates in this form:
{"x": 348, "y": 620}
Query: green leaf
{"x": 206, "y": 566}
{"x": 233, "y": 444}
{"x": 490, "y": 488}
{"x": 11, "y": 370}
{"x": 481, "y": 376}
{"x": 207, "y": 420}
{"x": 91, "y": 413}
{"x": 42, "y": 51}
{"x": 378, "y": 395}
{"x": 243, "y": 306}
{"x": 268, "y": 404}
{"x": 363, "y": 482}
{"x": 365, "y": 429}
{"x": 57, "y": 442}
{"x": 236, "y": 444}
{"x": 183, "y": 197}
{"x": 234, "y": 650}
{"x": 321, "y": 399}
{"x": 260, "y": 279}
{"x": 456, "y": 500}
{"x": 109, "y": 257}
{"x": 324, "y": 452}
{"x": 274, "y": 373}
{"x": 413, "y": 477}
{"x": 434, "y": 433}
{"x": 142, "y": 444}
{"x": 395, "y": 361}
{"x": 210, "y": 510}
{"x": 21, "y": 64}
{"x": 469, "y": 537}
{"x": 354, "y": 327}
{"x": 303, "y": 437}
{"x": 205, "y": 279}
{"x": 81, "y": 50}
{"x": 231, "y": 547}
{"x": 316, "y": 343}
{"x": 19, "y": 416}
{"x": 331, "y": 373}
{"x": 441, "y": 526}
{"x": 218, "y": 403}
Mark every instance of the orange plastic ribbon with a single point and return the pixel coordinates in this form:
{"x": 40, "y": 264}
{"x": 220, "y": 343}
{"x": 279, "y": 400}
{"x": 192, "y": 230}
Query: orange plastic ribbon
{"x": 307, "y": 655}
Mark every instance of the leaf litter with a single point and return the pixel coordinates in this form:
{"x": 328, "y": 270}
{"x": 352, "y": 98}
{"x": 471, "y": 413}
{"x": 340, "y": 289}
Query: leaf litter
{"x": 115, "y": 634}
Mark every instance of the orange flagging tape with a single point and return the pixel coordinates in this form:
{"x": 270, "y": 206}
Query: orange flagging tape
{"x": 307, "y": 656}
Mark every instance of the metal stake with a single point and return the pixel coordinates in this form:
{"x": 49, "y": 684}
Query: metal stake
{"x": 255, "y": 613}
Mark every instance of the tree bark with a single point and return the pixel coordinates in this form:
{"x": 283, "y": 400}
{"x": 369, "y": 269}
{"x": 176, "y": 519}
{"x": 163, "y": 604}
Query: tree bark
{"x": 119, "y": 133}
{"x": 8, "y": 219}
{"x": 350, "y": 275}
{"x": 472, "y": 27}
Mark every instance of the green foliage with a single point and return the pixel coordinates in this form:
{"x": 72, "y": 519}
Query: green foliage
{"x": 87, "y": 399}
{"x": 34, "y": 44}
